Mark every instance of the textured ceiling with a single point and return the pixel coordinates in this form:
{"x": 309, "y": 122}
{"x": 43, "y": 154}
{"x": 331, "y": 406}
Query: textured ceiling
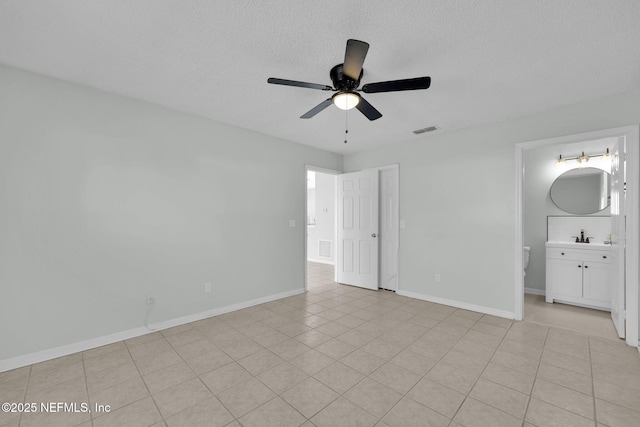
{"x": 489, "y": 60}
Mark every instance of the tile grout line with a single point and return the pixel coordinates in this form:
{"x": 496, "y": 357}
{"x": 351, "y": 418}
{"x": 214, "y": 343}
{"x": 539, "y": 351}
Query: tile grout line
{"x": 310, "y": 376}
{"x": 24, "y": 397}
{"x": 535, "y": 377}
{"x": 593, "y": 386}
{"x": 570, "y": 388}
{"x": 474, "y": 384}
{"x": 202, "y": 382}
{"x": 480, "y": 375}
{"x": 342, "y": 395}
{"x": 86, "y": 385}
{"x": 424, "y": 376}
{"x": 364, "y": 377}
{"x": 467, "y": 394}
{"x": 155, "y": 404}
{"x": 276, "y": 395}
{"x": 368, "y": 376}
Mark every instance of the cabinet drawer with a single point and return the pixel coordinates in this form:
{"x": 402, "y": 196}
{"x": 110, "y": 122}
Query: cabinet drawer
{"x": 578, "y": 255}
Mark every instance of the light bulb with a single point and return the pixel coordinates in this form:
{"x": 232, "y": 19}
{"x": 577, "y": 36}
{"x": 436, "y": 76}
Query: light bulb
{"x": 582, "y": 160}
{"x": 346, "y": 100}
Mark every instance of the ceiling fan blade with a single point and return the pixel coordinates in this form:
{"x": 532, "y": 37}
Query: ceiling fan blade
{"x": 398, "y": 85}
{"x": 354, "y": 58}
{"x": 368, "y": 110}
{"x": 315, "y": 110}
{"x": 284, "y": 82}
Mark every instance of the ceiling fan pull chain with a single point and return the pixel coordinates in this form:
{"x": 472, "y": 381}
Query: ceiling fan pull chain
{"x": 346, "y": 125}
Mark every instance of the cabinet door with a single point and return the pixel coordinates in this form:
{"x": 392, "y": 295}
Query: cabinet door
{"x": 564, "y": 278}
{"x": 596, "y": 277}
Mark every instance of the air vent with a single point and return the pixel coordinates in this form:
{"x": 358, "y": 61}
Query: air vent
{"x": 324, "y": 248}
{"x": 427, "y": 129}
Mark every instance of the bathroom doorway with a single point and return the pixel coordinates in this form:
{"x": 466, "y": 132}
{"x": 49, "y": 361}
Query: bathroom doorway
{"x": 536, "y": 171}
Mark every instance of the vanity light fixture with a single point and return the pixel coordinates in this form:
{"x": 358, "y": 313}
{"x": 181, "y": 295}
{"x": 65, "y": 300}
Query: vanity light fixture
{"x": 583, "y": 158}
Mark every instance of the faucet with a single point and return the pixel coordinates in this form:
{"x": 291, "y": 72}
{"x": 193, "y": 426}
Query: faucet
{"x": 582, "y": 239}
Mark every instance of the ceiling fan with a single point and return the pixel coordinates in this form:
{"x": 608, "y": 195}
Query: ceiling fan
{"x": 346, "y": 79}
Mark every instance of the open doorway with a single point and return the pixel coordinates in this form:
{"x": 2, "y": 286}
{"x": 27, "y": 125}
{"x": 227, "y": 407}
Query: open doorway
{"x": 320, "y": 227}
{"x": 322, "y": 241}
{"x": 560, "y": 199}
{"x": 537, "y": 215}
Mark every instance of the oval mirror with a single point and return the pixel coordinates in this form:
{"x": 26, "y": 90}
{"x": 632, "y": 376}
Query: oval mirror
{"x": 581, "y": 191}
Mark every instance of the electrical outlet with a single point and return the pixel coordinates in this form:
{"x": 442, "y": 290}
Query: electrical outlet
{"x": 207, "y": 287}
{"x": 151, "y": 300}
{"x": 437, "y": 277}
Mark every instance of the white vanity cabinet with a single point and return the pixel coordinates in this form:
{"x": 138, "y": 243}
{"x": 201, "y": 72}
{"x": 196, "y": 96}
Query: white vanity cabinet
{"x": 579, "y": 273}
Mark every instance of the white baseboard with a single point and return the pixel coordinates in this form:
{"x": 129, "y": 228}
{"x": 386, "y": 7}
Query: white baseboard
{"x": 459, "y": 304}
{"x": 52, "y": 353}
{"x": 218, "y": 311}
{"x": 534, "y": 291}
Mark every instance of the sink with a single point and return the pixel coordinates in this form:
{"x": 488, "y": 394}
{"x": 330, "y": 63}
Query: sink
{"x": 569, "y": 244}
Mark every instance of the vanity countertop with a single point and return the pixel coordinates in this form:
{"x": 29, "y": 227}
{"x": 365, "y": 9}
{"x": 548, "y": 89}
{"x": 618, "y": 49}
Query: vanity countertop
{"x": 574, "y": 245}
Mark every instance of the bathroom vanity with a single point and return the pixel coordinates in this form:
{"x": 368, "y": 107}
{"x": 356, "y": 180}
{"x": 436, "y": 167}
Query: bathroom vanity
{"x": 579, "y": 274}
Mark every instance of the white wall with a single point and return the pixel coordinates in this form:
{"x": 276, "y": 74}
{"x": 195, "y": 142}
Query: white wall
{"x": 323, "y": 210}
{"x": 540, "y": 172}
{"x": 105, "y": 199}
{"x": 457, "y": 198}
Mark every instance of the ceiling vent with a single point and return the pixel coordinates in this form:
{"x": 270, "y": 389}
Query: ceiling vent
{"x": 427, "y": 129}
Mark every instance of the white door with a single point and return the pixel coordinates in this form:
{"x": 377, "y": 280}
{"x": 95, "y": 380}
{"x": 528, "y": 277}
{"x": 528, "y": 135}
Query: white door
{"x": 357, "y": 262}
{"x": 618, "y": 233}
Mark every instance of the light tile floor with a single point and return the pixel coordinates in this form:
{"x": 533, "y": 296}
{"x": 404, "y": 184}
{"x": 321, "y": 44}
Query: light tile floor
{"x": 341, "y": 356}
{"x": 579, "y": 319}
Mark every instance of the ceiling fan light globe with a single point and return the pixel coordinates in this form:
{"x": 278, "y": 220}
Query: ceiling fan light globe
{"x": 346, "y": 100}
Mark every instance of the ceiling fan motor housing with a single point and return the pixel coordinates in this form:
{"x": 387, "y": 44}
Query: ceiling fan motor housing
{"x": 341, "y": 82}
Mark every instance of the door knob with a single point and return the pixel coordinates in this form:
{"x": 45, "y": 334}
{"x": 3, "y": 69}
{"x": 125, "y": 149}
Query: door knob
{"x": 374, "y": 235}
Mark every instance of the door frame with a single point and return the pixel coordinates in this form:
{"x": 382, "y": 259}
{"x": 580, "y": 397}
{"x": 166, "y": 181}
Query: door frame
{"x": 393, "y": 166}
{"x": 632, "y": 135}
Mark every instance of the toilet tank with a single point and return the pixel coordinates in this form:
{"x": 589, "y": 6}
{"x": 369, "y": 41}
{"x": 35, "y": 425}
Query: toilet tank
{"x": 525, "y": 256}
